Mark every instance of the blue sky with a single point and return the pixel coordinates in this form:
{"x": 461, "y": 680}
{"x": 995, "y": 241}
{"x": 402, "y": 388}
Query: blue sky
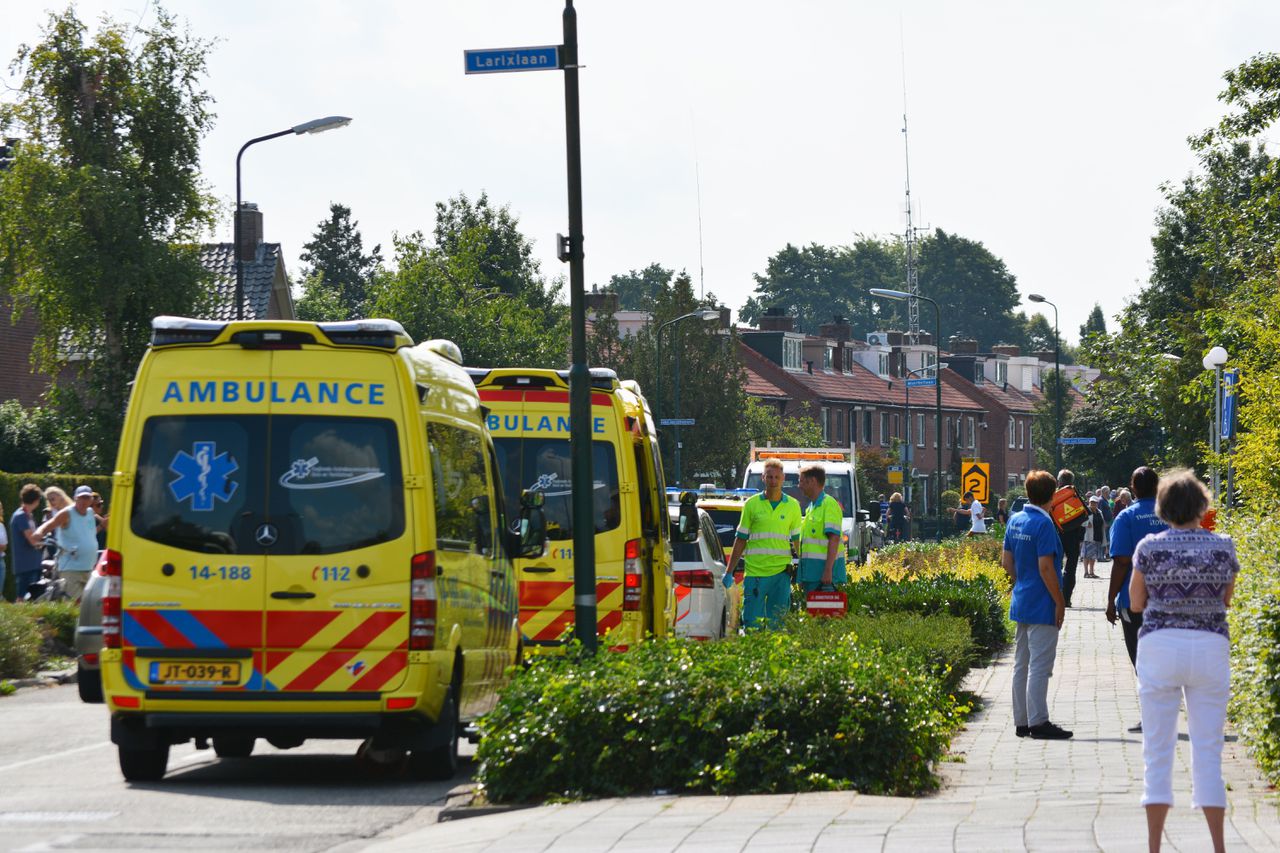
{"x": 1042, "y": 130}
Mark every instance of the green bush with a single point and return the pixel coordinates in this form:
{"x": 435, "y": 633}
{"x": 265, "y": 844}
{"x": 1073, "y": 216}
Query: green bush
{"x": 1255, "y": 640}
{"x": 943, "y": 643}
{"x": 977, "y": 600}
{"x": 19, "y": 642}
{"x": 58, "y": 620}
{"x": 767, "y": 712}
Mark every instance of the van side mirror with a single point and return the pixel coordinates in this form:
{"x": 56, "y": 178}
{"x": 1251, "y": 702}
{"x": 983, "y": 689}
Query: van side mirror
{"x": 531, "y": 538}
{"x": 688, "y": 524}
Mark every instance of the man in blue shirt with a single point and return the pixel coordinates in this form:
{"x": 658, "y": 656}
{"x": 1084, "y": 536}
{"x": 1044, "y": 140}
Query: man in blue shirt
{"x": 1130, "y": 526}
{"x": 1032, "y": 558}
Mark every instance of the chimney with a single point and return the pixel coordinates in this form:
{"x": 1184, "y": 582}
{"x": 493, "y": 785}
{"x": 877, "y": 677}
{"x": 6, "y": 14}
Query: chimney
{"x": 924, "y": 338}
{"x": 1011, "y": 350}
{"x": 840, "y": 330}
{"x": 963, "y": 345}
{"x": 1045, "y": 355}
{"x": 602, "y": 302}
{"x": 893, "y": 339}
{"x": 250, "y": 232}
{"x": 772, "y": 322}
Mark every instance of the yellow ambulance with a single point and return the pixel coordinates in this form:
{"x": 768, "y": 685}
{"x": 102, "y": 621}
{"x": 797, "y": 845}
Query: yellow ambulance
{"x": 528, "y": 415}
{"x": 309, "y": 540}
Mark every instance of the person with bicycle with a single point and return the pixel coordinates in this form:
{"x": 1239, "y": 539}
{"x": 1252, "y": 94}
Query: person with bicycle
{"x": 74, "y": 526}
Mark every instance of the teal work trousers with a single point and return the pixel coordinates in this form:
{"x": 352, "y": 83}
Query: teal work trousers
{"x": 767, "y": 599}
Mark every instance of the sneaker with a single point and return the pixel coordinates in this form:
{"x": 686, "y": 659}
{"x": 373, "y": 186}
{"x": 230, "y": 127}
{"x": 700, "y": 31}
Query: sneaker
{"x": 1137, "y": 730}
{"x": 1022, "y": 731}
{"x": 1048, "y": 731}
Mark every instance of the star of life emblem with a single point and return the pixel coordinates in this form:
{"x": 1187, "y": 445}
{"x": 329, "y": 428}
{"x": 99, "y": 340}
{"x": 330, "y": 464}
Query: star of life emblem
{"x": 203, "y": 476}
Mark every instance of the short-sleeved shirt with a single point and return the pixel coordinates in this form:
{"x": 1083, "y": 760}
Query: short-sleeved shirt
{"x": 26, "y": 557}
{"x": 1135, "y": 522}
{"x": 769, "y": 529}
{"x": 1031, "y": 534}
{"x": 822, "y": 519}
{"x": 979, "y": 524}
{"x": 79, "y": 541}
{"x": 1186, "y": 574}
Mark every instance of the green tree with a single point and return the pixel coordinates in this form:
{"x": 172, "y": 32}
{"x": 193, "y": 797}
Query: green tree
{"x": 335, "y": 264}
{"x": 1045, "y": 418}
{"x": 638, "y": 289}
{"x": 1095, "y": 324}
{"x": 25, "y": 438}
{"x": 102, "y": 207}
{"x": 973, "y": 288}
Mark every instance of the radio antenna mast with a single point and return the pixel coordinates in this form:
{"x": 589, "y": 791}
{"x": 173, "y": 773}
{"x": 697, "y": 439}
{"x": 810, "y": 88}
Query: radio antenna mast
{"x": 913, "y": 280}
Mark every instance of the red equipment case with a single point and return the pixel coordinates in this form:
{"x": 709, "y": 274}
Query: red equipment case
{"x": 833, "y": 603}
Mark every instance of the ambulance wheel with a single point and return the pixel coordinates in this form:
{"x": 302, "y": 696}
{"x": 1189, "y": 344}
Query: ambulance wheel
{"x": 88, "y": 684}
{"x": 233, "y": 747}
{"x": 144, "y": 764}
{"x": 440, "y": 763}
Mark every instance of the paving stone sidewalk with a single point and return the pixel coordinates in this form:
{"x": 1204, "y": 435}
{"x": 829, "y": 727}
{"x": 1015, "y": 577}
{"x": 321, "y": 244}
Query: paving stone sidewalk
{"x": 999, "y": 793}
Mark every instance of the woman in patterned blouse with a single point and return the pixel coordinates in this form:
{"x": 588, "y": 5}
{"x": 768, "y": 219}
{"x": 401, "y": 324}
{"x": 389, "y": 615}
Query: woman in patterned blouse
{"x": 1182, "y": 583}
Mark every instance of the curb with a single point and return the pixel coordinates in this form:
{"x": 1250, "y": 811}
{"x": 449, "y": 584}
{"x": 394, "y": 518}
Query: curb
{"x": 458, "y": 805}
{"x": 47, "y": 678}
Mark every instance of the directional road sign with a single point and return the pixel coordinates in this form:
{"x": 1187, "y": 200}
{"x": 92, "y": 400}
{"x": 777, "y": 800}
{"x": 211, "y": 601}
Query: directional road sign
{"x": 677, "y": 422}
{"x": 977, "y": 479}
{"x": 922, "y": 382}
{"x": 1230, "y": 380}
{"x": 502, "y": 59}
{"x": 1065, "y": 440}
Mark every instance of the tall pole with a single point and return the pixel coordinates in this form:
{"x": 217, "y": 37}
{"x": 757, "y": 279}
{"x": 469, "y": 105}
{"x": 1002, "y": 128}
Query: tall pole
{"x": 676, "y": 409}
{"x": 1058, "y": 391}
{"x": 584, "y": 546}
{"x": 236, "y": 223}
{"x": 937, "y": 374}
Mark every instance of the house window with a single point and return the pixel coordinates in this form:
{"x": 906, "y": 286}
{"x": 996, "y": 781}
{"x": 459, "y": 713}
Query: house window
{"x": 792, "y": 354}
{"x": 1012, "y": 437}
{"x": 950, "y": 436}
{"x": 895, "y": 427}
{"x": 884, "y": 428}
{"x": 828, "y": 358}
{"x": 883, "y": 368}
{"x": 1002, "y": 372}
{"x": 1022, "y": 432}
{"x": 930, "y": 359}
{"x": 919, "y": 430}
{"x": 866, "y": 426}
{"x": 838, "y": 414}
{"x": 979, "y": 373}
{"x": 970, "y": 424}
{"x": 825, "y": 420}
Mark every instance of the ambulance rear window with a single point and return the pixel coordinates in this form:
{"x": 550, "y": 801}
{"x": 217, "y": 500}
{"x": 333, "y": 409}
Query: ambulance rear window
{"x": 216, "y": 484}
{"x": 545, "y": 465}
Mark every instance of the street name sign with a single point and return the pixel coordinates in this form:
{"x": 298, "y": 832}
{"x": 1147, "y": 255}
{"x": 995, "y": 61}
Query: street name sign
{"x": 1065, "y": 440}
{"x": 503, "y": 59}
{"x": 677, "y": 422}
{"x": 922, "y": 382}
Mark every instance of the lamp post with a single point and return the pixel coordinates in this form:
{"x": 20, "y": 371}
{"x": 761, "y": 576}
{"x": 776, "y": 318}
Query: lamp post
{"x": 319, "y": 125}
{"x": 704, "y": 314}
{"x": 1057, "y": 371}
{"x": 902, "y": 295}
{"x": 906, "y": 457}
{"x": 1214, "y": 360}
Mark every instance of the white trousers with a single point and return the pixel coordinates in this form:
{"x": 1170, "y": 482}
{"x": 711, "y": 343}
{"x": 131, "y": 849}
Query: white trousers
{"x": 1035, "y": 647}
{"x": 1174, "y": 663}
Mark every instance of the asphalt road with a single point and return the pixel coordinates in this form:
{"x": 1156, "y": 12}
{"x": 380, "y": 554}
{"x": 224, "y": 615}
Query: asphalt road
{"x": 61, "y": 789}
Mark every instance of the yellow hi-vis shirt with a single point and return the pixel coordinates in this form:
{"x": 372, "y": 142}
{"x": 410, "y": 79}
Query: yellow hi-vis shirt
{"x": 769, "y": 532}
{"x": 822, "y": 519}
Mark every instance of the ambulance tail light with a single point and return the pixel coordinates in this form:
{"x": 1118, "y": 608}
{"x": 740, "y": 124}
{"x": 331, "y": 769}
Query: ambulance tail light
{"x": 632, "y": 576}
{"x": 422, "y": 602}
{"x": 112, "y": 568}
{"x": 695, "y": 578}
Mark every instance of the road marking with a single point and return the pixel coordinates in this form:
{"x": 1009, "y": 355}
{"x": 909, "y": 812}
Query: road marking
{"x": 51, "y": 817}
{"x": 53, "y": 755}
{"x": 59, "y": 843}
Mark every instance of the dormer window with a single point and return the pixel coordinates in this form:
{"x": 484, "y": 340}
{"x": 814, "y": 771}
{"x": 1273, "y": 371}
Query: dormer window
{"x": 884, "y": 364}
{"x": 792, "y": 354}
{"x": 828, "y": 358}
{"x": 1002, "y": 372}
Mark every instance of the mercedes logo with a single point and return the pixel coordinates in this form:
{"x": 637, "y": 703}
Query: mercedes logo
{"x": 266, "y": 535}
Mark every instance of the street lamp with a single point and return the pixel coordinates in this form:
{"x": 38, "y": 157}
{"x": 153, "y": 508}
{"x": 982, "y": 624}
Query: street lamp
{"x": 706, "y": 315}
{"x": 1057, "y": 370}
{"x": 902, "y": 295}
{"x": 319, "y": 125}
{"x": 906, "y": 456}
{"x": 1214, "y": 360}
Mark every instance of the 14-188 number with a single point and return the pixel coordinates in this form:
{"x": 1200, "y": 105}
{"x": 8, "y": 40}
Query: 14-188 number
{"x": 225, "y": 573}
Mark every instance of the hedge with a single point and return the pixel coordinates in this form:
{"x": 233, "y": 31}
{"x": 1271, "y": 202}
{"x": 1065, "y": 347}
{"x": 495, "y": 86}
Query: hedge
{"x": 11, "y": 487}
{"x": 978, "y": 600}
{"x": 1254, "y": 618}
{"x": 766, "y": 712}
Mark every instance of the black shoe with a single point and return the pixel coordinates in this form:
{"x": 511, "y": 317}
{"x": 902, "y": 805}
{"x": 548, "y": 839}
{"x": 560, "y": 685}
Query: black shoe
{"x": 1066, "y": 604}
{"x": 1022, "y": 731}
{"x": 1048, "y": 731}
{"x": 1137, "y": 730}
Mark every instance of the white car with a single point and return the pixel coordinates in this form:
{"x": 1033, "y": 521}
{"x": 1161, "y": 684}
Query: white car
{"x": 702, "y": 601}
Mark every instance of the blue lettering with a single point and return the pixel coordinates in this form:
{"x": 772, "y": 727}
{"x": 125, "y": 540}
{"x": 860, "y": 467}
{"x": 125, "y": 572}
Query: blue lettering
{"x": 204, "y": 392}
{"x": 275, "y": 393}
{"x": 562, "y": 424}
{"x": 525, "y": 424}
{"x": 230, "y": 392}
{"x": 511, "y": 423}
{"x": 327, "y": 392}
{"x": 493, "y": 422}
{"x": 375, "y": 394}
{"x": 353, "y": 386}
{"x": 544, "y": 425}
{"x": 172, "y": 393}
{"x": 301, "y": 392}
{"x": 248, "y": 391}
{"x": 597, "y": 424}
